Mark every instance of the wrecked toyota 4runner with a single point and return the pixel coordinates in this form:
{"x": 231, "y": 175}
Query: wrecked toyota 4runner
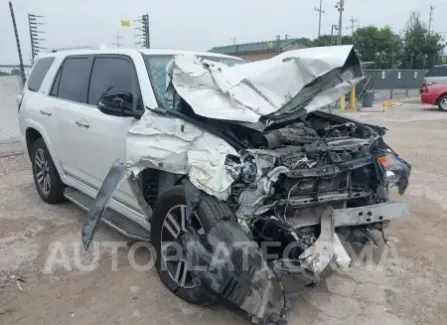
{"x": 242, "y": 154}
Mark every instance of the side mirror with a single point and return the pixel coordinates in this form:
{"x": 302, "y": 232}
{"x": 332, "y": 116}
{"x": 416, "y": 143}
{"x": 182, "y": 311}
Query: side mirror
{"x": 118, "y": 104}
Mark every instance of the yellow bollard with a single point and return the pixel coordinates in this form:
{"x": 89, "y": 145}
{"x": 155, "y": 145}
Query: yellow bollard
{"x": 388, "y": 104}
{"x": 342, "y": 103}
{"x": 352, "y": 99}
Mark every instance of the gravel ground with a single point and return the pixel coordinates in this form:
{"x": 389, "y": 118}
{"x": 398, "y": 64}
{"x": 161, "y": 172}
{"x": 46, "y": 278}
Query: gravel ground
{"x": 405, "y": 285}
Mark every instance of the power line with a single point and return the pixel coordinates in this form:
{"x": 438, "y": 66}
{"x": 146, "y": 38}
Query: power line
{"x": 320, "y": 11}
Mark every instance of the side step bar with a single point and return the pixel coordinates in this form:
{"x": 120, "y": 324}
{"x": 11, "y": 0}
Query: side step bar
{"x": 113, "y": 219}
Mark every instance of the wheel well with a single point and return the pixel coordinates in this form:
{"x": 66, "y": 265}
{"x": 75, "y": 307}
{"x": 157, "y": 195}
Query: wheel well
{"x": 31, "y": 136}
{"x": 439, "y": 98}
{"x": 153, "y": 182}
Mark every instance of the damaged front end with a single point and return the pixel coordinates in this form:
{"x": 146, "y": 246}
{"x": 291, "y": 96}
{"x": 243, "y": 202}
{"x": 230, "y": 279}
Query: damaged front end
{"x": 300, "y": 183}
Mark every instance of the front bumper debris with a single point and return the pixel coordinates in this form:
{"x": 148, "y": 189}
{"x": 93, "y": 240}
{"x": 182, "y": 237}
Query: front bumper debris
{"x": 370, "y": 214}
{"x": 328, "y": 248}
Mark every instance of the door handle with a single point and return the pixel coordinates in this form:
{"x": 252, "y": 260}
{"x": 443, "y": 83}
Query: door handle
{"x": 82, "y": 123}
{"x": 45, "y": 112}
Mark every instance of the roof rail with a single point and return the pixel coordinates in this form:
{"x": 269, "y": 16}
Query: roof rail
{"x": 74, "y": 48}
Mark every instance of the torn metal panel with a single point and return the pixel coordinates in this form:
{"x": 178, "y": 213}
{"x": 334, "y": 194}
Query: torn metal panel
{"x": 232, "y": 267}
{"x": 306, "y": 79}
{"x": 113, "y": 179}
{"x": 317, "y": 257}
{"x": 177, "y": 146}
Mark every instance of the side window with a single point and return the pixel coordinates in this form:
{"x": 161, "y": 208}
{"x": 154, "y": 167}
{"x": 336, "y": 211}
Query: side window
{"x": 72, "y": 80}
{"x": 56, "y": 83}
{"x": 112, "y": 75}
{"x": 39, "y": 72}
{"x": 437, "y": 71}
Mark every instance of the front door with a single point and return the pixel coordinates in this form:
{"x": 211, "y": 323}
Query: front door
{"x": 106, "y": 134}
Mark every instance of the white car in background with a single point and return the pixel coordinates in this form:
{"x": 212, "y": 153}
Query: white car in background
{"x": 196, "y": 148}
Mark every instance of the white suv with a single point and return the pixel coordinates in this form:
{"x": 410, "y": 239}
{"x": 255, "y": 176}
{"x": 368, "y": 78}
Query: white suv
{"x": 214, "y": 150}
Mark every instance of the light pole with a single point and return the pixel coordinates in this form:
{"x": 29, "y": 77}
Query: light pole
{"x": 34, "y": 21}
{"x": 340, "y": 5}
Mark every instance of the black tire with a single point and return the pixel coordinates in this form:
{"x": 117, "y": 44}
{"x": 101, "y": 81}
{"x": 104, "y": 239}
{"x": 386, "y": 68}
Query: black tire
{"x": 51, "y": 189}
{"x": 442, "y": 103}
{"x": 209, "y": 212}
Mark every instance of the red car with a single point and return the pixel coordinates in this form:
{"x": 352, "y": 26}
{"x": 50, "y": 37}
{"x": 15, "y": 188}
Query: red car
{"x": 434, "y": 87}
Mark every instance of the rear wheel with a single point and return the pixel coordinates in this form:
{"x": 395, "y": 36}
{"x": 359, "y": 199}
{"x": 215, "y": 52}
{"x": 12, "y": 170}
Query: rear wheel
{"x": 167, "y": 226}
{"x": 442, "y": 103}
{"x": 46, "y": 177}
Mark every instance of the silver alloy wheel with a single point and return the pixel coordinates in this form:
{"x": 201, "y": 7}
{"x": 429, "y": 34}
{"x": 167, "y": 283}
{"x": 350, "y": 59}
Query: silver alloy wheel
{"x": 174, "y": 225}
{"x": 443, "y": 103}
{"x": 42, "y": 171}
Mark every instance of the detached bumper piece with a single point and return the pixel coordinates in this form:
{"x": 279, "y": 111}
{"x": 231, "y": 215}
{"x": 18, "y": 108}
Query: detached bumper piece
{"x": 328, "y": 248}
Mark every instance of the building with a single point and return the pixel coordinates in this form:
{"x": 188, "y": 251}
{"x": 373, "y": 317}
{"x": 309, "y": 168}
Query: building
{"x": 262, "y": 50}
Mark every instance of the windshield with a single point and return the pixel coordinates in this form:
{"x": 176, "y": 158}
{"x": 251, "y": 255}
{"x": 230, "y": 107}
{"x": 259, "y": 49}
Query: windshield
{"x": 156, "y": 68}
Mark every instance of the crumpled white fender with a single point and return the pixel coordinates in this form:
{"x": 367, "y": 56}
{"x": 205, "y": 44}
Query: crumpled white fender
{"x": 177, "y": 146}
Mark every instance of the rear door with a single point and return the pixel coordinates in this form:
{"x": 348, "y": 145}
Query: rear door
{"x": 69, "y": 100}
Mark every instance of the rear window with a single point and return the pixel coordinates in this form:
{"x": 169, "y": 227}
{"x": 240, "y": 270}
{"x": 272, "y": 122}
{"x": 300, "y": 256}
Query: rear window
{"x": 39, "y": 72}
{"x": 439, "y": 71}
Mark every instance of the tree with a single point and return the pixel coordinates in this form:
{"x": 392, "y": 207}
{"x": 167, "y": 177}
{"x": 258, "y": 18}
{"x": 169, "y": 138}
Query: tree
{"x": 421, "y": 49}
{"x": 379, "y": 45}
{"x": 328, "y": 40}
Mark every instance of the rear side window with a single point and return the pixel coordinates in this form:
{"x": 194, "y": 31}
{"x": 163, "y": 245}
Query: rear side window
{"x": 72, "y": 80}
{"x": 439, "y": 71}
{"x": 39, "y": 72}
{"x": 111, "y": 75}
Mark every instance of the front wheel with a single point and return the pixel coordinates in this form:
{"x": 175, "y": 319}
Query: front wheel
{"x": 167, "y": 226}
{"x": 442, "y": 103}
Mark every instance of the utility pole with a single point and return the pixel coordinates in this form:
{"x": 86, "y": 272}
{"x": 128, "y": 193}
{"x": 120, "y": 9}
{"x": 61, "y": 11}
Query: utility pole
{"x": 320, "y": 11}
{"x": 117, "y": 43}
{"x": 430, "y": 20}
{"x": 352, "y": 27}
{"x": 234, "y": 39}
{"x": 340, "y": 5}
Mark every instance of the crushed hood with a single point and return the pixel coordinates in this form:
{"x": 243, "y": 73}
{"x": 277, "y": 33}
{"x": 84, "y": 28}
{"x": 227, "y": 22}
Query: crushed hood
{"x": 297, "y": 81}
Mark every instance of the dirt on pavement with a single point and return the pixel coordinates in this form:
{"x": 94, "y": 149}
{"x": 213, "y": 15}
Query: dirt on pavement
{"x": 406, "y": 285}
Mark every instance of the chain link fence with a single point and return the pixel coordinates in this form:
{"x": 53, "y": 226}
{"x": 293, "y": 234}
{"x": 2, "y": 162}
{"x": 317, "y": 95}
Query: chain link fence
{"x": 10, "y": 90}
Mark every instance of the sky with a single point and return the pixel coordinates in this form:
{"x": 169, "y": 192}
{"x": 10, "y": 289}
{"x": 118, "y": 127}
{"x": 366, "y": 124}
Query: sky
{"x": 197, "y": 24}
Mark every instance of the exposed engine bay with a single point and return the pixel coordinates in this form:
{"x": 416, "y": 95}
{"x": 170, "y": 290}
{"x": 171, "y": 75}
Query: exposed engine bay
{"x": 306, "y": 187}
